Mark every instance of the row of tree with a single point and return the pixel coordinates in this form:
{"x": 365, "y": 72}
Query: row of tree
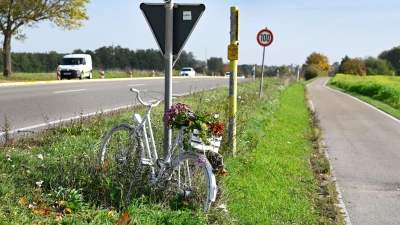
{"x": 216, "y": 66}
{"x": 103, "y": 58}
{"x": 387, "y": 63}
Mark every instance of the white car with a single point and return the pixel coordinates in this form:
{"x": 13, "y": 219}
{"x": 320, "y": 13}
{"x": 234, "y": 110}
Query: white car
{"x": 188, "y": 71}
{"x": 75, "y": 66}
{"x": 227, "y": 74}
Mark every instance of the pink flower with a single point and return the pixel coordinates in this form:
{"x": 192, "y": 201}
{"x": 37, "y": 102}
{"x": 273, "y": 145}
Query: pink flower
{"x": 201, "y": 161}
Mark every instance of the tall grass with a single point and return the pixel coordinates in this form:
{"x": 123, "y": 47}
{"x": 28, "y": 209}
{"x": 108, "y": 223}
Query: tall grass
{"x": 381, "y": 88}
{"x": 54, "y": 177}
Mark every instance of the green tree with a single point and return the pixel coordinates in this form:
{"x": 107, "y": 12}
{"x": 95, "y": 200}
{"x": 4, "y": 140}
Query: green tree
{"x": 392, "y": 56}
{"x": 155, "y": 60}
{"x": 215, "y": 64}
{"x": 246, "y": 69}
{"x": 379, "y": 67}
{"x": 53, "y": 59}
{"x": 319, "y": 60}
{"x": 36, "y": 64}
{"x": 334, "y": 68}
{"x": 311, "y": 71}
{"x": 77, "y": 51}
{"x": 106, "y": 57}
{"x": 185, "y": 60}
{"x": 284, "y": 70}
{"x": 345, "y": 60}
{"x": 354, "y": 66}
{"x": 14, "y": 14}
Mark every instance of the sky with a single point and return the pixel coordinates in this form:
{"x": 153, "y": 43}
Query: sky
{"x": 356, "y": 28}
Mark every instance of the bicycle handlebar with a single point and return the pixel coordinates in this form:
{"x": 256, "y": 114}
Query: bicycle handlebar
{"x": 148, "y": 103}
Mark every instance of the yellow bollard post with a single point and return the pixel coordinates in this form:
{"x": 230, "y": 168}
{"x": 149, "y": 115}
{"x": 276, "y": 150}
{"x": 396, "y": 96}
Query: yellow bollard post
{"x": 233, "y": 53}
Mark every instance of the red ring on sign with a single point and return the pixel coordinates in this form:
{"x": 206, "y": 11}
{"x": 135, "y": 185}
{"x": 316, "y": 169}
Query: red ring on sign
{"x": 258, "y": 37}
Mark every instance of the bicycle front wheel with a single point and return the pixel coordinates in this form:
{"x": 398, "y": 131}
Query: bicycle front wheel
{"x": 192, "y": 182}
{"x": 121, "y": 152}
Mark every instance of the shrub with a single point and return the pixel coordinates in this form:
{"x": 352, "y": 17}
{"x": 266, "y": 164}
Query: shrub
{"x": 311, "y": 72}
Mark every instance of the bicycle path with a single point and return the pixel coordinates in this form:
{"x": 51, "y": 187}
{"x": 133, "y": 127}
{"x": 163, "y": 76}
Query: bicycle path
{"x": 363, "y": 147}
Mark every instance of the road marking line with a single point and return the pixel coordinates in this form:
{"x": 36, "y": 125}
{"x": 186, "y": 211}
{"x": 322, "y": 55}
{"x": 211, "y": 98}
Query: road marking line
{"x": 131, "y": 85}
{"x": 56, "y": 92}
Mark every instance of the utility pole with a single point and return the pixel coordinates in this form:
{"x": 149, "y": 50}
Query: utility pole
{"x": 233, "y": 53}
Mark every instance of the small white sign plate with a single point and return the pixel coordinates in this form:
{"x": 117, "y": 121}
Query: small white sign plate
{"x": 187, "y": 15}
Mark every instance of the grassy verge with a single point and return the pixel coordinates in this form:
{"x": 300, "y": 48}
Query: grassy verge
{"x": 277, "y": 177}
{"x": 23, "y": 77}
{"x": 376, "y": 103}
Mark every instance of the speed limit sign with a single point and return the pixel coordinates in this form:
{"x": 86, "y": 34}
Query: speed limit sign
{"x": 265, "y": 37}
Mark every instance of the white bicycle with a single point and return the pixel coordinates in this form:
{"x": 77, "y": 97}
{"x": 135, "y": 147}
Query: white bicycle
{"x": 186, "y": 175}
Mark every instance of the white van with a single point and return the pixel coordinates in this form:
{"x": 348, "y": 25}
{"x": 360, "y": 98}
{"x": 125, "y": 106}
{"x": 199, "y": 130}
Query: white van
{"x": 75, "y": 66}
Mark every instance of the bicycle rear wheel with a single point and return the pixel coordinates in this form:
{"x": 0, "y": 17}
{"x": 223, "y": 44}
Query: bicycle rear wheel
{"x": 121, "y": 153}
{"x": 192, "y": 182}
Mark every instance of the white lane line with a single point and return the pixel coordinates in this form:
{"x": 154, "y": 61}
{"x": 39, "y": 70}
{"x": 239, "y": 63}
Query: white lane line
{"x": 175, "y": 81}
{"x": 56, "y": 92}
{"x": 131, "y": 85}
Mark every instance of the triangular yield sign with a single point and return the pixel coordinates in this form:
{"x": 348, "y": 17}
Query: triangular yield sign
{"x": 185, "y": 19}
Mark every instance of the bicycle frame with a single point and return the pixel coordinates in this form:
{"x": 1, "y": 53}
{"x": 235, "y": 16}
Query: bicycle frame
{"x": 150, "y": 148}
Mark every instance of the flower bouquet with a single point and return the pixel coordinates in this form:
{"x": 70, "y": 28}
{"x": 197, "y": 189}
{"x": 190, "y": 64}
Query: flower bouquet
{"x": 203, "y": 127}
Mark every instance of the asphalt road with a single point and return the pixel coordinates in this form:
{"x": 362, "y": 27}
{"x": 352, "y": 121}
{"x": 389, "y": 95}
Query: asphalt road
{"x": 363, "y": 145}
{"x": 31, "y": 106}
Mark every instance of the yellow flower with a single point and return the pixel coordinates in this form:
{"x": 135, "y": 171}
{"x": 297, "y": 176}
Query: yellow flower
{"x": 110, "y": 214}
{"x": 22, "y": 201}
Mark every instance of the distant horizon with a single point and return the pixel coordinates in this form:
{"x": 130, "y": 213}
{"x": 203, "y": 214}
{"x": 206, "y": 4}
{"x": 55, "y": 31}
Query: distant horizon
{"x": 334, "y": 29}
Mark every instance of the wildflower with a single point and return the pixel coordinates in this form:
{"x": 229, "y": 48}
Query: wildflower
{"x": 8, "y": 157}
{"x": 201, "y": 161}
{"x": 39, "y": 183}
{"x": 216, "y": 116}
{"x": 40, "y": 156}
{"x": 110, "y": 214}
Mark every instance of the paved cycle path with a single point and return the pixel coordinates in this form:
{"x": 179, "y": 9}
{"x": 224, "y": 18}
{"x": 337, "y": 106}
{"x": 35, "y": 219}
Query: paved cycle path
{"x": 363, "y": 145}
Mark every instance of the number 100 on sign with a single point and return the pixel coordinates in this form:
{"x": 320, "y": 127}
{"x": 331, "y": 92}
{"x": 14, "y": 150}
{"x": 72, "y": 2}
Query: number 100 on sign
{"x": 265, "y": 37}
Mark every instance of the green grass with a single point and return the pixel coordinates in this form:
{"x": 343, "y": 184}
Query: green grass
{"x": 388, "y": 106}
{"x": 273, "y": 183}
{"x": 270, "y": 181}
{"x": 24, "y": 77}
{"x": 382, "y": 88}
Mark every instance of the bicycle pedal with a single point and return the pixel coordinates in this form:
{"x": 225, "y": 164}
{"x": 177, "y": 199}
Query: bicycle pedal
{"x": 147, "y": 162}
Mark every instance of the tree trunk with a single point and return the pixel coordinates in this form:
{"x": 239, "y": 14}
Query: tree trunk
{"x": 7, "y": 55}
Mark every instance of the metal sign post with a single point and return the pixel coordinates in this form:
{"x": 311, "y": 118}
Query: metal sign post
{"x": 264, "y": 38}
{"x": 171, "y": 25}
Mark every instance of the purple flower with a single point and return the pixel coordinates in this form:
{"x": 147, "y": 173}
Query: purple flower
{"x": 201, "y": 161}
